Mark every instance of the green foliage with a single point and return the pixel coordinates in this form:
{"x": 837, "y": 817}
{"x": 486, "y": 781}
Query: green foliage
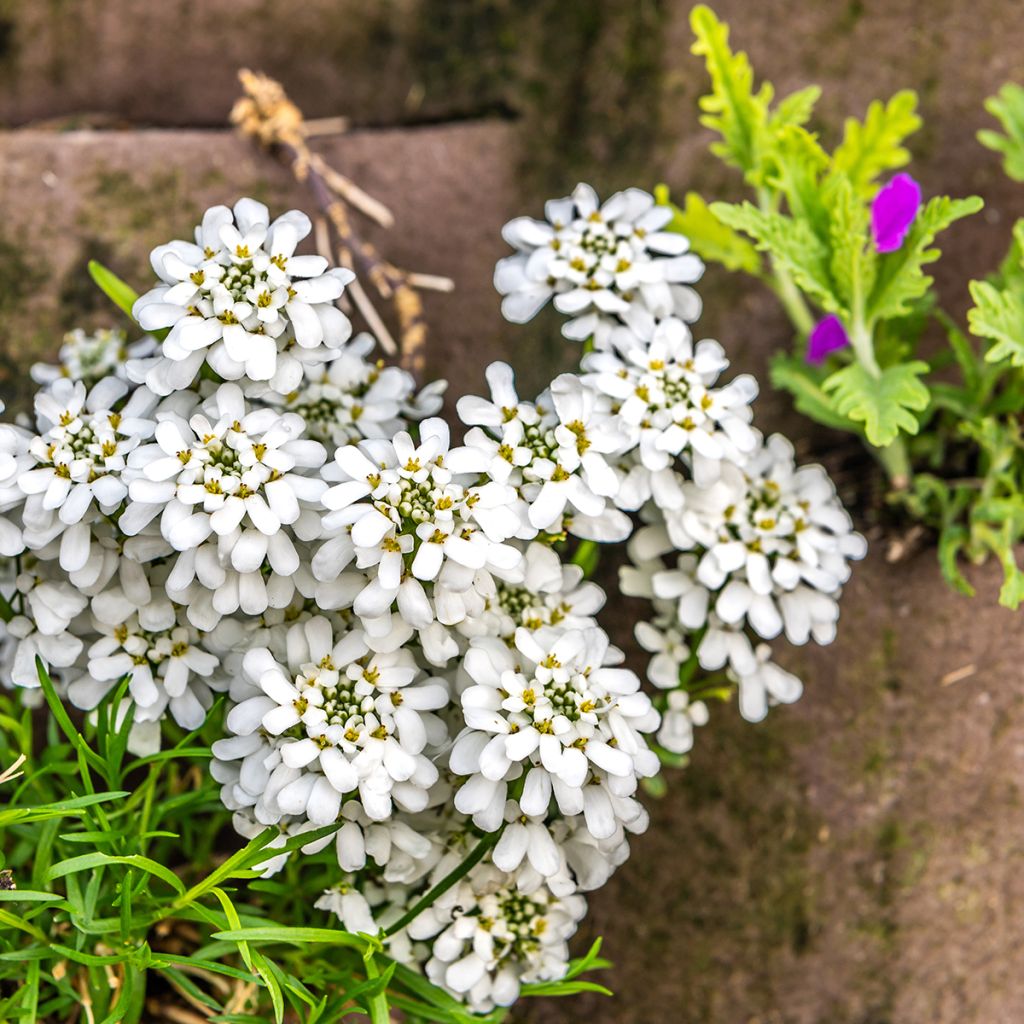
{"x": 124, "y": 893}
{"x": 733, "y": 109}
{"x": 1007, "y": 106}
{"x": 948, "y": 428}
{"x": 885, "y": 404}
{"x": 998, "y": 314}
{"x": 874, "y": 146}
{"x": 709, "y": 237}
{"x": 793, "y": 246}
{"x": 804, "y": 383}
{"x": 120, "y": 294}
{"x": 901, "y": 281}
{"x": 810, "y": 215}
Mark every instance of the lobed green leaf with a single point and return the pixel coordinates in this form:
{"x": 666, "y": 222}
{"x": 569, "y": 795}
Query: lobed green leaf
{"x": 885, "y": 404}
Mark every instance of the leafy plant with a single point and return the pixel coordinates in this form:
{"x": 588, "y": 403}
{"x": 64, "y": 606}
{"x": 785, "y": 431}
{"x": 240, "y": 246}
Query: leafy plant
{"x": 946, "y": 425}
{"x": 810, "y": 219}
{"x": 102, "y": 912}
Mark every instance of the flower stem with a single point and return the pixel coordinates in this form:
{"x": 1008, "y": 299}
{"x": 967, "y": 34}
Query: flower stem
{"x": 515, "y": 791}
{"x": 792, "y": 300}
{"x": 896, "y": 463}
{"x": 782, "y": 282}
{"x": 378, "y": 1004}
{"x": 469, "y": 862}
{"x": 586, "y": 556}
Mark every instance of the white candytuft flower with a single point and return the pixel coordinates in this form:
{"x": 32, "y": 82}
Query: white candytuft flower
{"x": 598, "y": 262}
{"x": 80, "y": 461}
{"x": 404, "y": 512}
{"x": 554, "y": 710}
{"x": 668, "y": 410}
{"x": 341, "y": 719}
{"x": 773, "y": 542}
{"x": 242, "y": 301}
{"x": 231, "y": 470}
{"x": 553, "y": 452}
{"x": 170, "y": 667}
{"x": 352, "y": 398}
{"x": 89, "y": 357}
{"x": 250, "y": 510}
{"x": 487, "y": 938}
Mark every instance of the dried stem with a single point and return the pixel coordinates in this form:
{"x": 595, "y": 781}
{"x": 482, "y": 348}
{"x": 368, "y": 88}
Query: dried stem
{"x": 266, "y": 115}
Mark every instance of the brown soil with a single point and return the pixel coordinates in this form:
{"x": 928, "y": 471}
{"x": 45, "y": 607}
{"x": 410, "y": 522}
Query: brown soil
{"x": 856, "y": 858}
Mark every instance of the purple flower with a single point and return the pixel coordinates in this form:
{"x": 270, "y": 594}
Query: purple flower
{"x": 828, "y": 336}
{"x": 893, "y": 211}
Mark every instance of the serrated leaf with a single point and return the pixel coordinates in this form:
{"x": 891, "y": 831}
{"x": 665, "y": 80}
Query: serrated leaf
{"x": 853, "y": 266}
{"x": 875, "y": 145}
{"x": 1011, "y": 270}
{"x": 732, "y": 109}
{"x": 797, "y": 164}
{"x": 1007, "y": 106}
{"x": 795, "y": 109}
{"x": 885, "y": 404}
{"x": 709, "y": 238}
{"x": 951, "y": 543}
{"x": 791, "y": 373}
{"x": 901, "y": 281}
{"x": 998, "y": 315}
{"x": 792, "y": 244}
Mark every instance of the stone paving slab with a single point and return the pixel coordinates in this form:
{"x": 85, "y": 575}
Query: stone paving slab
{"x": 69, "y": 197}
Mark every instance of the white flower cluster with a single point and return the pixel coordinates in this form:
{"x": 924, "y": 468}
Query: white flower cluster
{"x": 599, "y": 263}
{"x": 246, "y": 504}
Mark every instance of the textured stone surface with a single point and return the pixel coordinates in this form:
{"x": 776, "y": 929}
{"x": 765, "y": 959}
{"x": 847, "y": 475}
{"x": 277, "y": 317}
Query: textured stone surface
{"x": 112, "y": 196}
{"x": 856, "y": 858}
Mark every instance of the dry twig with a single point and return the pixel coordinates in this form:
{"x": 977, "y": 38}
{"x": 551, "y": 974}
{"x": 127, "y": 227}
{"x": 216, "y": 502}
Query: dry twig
{"x": 265, "y": 114}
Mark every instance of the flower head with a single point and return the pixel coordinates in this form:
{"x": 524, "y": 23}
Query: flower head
{"x": 893, "y": 212}
{"x": 241, "y": 299}
{"x": 829, "y": 335}
{"x": 598, "y": 261}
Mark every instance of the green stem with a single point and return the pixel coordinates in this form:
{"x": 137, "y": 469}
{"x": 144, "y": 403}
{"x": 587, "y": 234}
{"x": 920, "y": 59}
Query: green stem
{"x": 515, "y": 791}
{"x": 133, "y": 993}
{"x": 378, "y": 1004}
{"x": 689, "y": 667}
{"x": 894, "y": 458}
{"x": 896, "y": 463}
{"x": 792, "y": 300}
{"x": 469, "y": 862}
{"x": 782, "y": 282}
{"x": 586, "y": 556}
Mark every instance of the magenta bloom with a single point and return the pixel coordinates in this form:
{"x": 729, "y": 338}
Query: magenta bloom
{"x": 828, "y": 336}
{"x": 893, "y": 211}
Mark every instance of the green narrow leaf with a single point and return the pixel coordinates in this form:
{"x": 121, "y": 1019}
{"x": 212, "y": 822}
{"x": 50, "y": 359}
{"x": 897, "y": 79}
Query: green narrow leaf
{"x": 298, "y": 936}
{"x": 28, "y": 896}
{"x": 120, "y": 294}
{"x": 886, "y": 404}
{"x": 875, "y": 145}
{"x": 87, "y": 861}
